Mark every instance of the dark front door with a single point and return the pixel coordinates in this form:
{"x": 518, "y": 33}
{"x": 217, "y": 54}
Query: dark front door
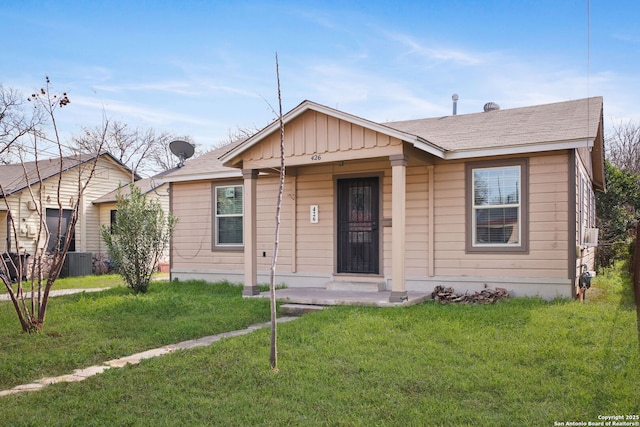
{"x": 53, "y": 217}
{"x": 358, "y": 235}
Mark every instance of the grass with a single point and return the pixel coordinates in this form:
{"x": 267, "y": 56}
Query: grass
{"x": 517, "y": 362}
{"x": 89, "y": 328}
{"x": 86, "y": 282}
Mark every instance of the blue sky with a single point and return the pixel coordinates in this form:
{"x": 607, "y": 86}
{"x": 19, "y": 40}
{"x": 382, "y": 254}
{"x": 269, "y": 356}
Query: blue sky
{"x": 203, "y": 68}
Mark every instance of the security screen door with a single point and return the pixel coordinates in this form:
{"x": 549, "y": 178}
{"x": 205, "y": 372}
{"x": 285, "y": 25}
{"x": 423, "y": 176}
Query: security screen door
{"x": 358, "y": 235}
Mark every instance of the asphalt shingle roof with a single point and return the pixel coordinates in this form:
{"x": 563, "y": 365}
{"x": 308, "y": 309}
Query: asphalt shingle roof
{"x": 205, "y": 164}
{"x": 12, "y": 177}
{"x": 561, "y": 121}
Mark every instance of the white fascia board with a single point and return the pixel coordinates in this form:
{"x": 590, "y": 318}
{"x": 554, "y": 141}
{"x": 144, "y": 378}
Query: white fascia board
{"x": 425, "y": 146}
{"x": 204, "y": 176}
{"x": 520, "y": 149}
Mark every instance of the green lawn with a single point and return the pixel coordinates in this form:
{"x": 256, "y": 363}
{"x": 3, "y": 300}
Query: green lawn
{"x": 517, "y": 362}
{"x": 86, "y": 282}
{"x": 89, "y": 328}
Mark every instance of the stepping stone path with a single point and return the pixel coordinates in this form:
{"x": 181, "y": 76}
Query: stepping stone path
{"x": 82, "y": 374}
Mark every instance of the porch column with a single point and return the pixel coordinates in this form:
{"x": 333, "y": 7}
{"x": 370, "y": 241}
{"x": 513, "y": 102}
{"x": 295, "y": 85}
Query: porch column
{"x": 398, "y": 202}
{"x": 250, "y": 177}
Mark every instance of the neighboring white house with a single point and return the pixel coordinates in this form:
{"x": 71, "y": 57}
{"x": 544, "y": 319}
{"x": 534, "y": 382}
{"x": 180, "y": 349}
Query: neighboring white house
{"x": 33, "y": 187}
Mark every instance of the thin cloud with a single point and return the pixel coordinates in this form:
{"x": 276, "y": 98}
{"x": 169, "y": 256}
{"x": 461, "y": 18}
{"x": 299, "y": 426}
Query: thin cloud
{"x": 436, "y": 54}
{"x": 626, "y": 38}
{"x": 141, "y": 112}
{"x": 175, "y": 87}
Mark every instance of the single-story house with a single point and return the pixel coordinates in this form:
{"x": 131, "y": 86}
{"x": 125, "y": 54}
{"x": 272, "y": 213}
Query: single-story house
{"x": 498, "y": 198}
{"x": 37, "y": 191}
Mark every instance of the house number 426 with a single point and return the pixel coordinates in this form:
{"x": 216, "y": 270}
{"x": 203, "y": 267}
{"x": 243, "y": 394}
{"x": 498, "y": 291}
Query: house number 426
{"x": 316, "y": 157}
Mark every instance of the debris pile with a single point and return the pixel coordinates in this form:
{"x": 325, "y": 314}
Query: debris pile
{"x": 485, "y": 296}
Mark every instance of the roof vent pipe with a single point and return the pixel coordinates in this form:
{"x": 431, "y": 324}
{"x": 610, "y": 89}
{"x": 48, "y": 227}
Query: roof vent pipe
{"x": 454, "y": 98}
{"x": 491, "y": 106}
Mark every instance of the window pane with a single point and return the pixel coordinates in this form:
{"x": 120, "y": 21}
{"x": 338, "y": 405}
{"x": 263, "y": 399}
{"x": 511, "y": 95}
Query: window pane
{"x": 229, "y": 200}
{"x": 496, "y": 186}
{"x": 496, "y": 205}
{"x": 230, "y": 230}
{"x": 497, "y": 225}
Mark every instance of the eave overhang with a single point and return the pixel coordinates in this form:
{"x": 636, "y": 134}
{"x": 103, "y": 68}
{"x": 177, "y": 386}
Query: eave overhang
{"x": 232, "y": 157}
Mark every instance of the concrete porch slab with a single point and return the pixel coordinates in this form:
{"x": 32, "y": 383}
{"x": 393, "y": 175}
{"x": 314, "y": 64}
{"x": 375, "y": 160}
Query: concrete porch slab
{"x": 323, "y": 296}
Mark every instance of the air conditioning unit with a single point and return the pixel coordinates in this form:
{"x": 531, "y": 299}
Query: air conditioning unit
{"x": 77, "y": 264}
{"x": 590, "y": 237}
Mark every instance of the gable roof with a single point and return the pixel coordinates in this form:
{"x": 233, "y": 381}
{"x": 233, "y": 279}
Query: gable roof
{"x": 556, "y": 126}
{"x": 12, "y": 177}
{"x": 416, "y": 140}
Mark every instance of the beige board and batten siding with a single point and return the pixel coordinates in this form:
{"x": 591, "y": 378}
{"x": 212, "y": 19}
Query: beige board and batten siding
{"x": 316, "y": 137}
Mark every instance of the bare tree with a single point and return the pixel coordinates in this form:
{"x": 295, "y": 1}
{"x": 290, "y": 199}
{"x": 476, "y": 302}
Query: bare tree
{"x": 163, "y": 159}
{"x": 144, "y": 151}
{"x": 30, "y": 297}
{"x": 623, "y": 146}
{"x": 15, "y": 122}
{"x": 273, "y": 357}
{"x": 239, "y": 133}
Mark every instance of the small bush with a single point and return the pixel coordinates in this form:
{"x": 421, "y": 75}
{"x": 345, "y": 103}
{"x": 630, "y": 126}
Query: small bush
{"x": 138, "y": 237}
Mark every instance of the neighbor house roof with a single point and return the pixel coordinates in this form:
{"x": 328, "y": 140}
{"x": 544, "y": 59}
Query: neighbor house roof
{"x": 13, "y": 180}
{"x": 146, "y": 185}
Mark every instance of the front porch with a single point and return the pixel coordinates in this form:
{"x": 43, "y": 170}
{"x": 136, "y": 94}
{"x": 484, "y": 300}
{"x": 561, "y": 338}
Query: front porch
{"x": 324, "y": 296}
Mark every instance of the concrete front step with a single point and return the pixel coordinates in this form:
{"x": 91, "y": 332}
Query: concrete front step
{"x": 352, "y": 285}
{"x": 299, "y": 309}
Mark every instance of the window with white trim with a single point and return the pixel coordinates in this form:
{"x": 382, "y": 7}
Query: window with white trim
{"x": 496, "y": 207}
{"x": 229, "y": 212}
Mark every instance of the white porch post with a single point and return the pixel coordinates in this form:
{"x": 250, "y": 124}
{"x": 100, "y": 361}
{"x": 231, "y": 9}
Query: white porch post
{"x": 398, "y": 201}
{"x": 250, "y": 177}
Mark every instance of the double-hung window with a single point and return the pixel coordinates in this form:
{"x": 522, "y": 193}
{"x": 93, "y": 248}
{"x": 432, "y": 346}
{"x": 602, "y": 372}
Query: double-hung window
{"x": 229, "y": 211}
{"x": 497, "y": 207}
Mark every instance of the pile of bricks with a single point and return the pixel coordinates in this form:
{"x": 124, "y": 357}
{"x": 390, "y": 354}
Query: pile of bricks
{"x": 486, "y": 296}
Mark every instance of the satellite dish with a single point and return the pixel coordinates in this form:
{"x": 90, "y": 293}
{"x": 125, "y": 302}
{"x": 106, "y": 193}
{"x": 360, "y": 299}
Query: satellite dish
{"x": 182, "y": 149}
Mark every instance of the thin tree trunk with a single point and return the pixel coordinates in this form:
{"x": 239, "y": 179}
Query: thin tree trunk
{"x": 273, "y": 358}
{"x": 636, "y": 276}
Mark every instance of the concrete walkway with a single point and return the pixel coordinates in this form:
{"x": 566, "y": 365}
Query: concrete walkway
{"x": 82, "y": 374}
{"x": 58, "y": 293}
